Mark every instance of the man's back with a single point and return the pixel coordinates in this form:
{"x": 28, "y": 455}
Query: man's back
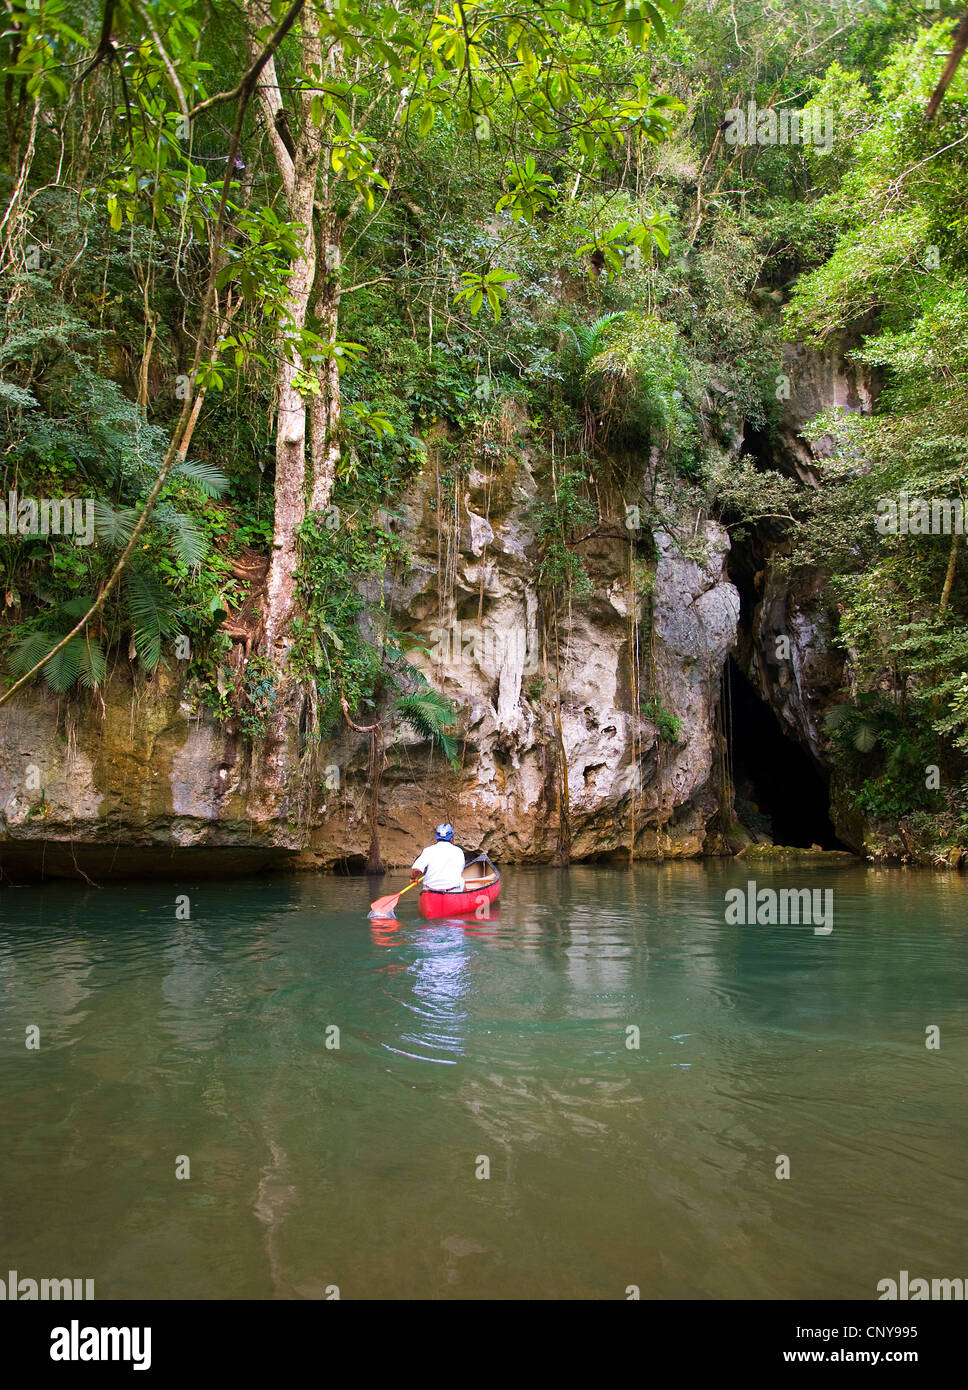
{"x": 442, "y": 865}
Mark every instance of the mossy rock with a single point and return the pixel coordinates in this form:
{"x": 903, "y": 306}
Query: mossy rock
{"x": 791, "y": 854}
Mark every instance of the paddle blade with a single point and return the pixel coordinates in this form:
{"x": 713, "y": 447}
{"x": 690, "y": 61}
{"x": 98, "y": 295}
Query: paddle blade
{"x": 383, "y": 907}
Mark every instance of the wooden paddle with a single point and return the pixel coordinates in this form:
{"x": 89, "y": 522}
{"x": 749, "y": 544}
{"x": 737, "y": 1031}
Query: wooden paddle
{"x": 383, "y": 907}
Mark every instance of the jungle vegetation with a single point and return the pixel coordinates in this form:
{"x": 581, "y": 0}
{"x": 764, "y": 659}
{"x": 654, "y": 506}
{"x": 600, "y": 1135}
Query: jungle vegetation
{"x": 260, "y": 260}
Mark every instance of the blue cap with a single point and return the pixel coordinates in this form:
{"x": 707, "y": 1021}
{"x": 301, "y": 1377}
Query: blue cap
{"x": 444, "y": 832}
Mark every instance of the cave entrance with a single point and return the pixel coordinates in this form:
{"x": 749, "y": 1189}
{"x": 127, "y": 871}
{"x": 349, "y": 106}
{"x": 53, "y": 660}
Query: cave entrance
{"x": 780, "y": 794}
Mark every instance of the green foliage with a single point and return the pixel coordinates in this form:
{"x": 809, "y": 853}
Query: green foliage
{"x": 490, "y": 285}
{"x": 544, "y": 247}
{"x": 555, "y": 522}
{"x": 886, "y": 752}
{"x": 258, "y": 697}
{"x": 587, "y": 339}
{"x": 431, "y": 715}
{"x": 148, "y": 614}
{"x": 340, "y": 644}
{"x": 669, "y": 725}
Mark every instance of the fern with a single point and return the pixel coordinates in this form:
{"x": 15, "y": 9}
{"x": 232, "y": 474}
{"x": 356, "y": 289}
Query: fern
{"x": 151, "y": 614}
{"x": 206, "y": 477}
{"x": 430, "y": 714}
{"x": 190, "y": 545}
{"x": 588, "y": 337}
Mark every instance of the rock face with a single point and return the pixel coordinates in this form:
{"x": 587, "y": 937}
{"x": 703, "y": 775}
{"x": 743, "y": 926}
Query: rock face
{"x": 785, "y": 643}
{"x": 148, "y": 780}
{"x": 130, "y": 785}
{"x": 788, "y": 655}
{"x": 817, "y": 383}
{"x": 696, "y": 612}
{"x": 586, "y": 733}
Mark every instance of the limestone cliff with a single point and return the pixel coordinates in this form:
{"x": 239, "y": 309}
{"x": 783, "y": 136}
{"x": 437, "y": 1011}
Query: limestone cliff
{"x": 143, "y": 778}
{"x": 592, "y": 732}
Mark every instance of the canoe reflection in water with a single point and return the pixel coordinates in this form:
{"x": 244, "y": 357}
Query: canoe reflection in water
{"x": 384, "y": 931}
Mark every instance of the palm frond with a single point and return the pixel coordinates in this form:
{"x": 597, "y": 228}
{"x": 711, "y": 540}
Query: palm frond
{"x": 29, "y": 649}
{"x": 114, "y": 525}
{"x": 190, "y": 544}
{"x": 429, "y": 713}
{"x": 93, "y": 664}
{"x": 209, "y": 479}
{"x": 596, "y": 332}
{"x": 64, "y": 667}
{"x": 865, "y": 738}
{"x": 151, "y": 614}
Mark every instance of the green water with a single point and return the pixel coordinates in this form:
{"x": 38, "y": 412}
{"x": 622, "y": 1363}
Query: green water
{"x": 503, "y": 1040}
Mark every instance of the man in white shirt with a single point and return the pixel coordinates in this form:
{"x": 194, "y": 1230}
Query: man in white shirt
{"x": 441, "y": 863}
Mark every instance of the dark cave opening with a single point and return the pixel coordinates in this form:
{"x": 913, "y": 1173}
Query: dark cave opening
{"x": 779, "y": 790}
{"x": 351, "y": 865}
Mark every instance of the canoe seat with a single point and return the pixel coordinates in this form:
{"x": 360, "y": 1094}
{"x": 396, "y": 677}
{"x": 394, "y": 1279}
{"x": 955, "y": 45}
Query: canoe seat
{"x": 470, "y": 881}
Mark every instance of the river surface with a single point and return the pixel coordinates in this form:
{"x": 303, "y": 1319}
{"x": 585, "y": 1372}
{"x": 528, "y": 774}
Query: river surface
{"x": 486, "y": 1127}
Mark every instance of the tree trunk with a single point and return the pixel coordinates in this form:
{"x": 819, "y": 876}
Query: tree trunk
{"x": 949, "y": 578}
{"x": 374, "y": 864}
{"x": 299, "y": 171}
{"x": 325, "y": 408}
{"x": 959, "y": 46}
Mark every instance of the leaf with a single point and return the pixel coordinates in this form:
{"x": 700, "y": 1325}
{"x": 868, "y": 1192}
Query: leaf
{"x": 150, "y": 616}
{"x": 114, "y": 526}
{"x": 209, "y": 479}
{"x": 865, "y": 738}
{"x": 76, "y": 607}
{"x": 93, "y": 662}
{"x": 28, "y": 650}
{"x": 189, "y": 542}
{"x": 661, "y": 240}
{"x": 656, "y": 19}
{"x": 64, "y": 667}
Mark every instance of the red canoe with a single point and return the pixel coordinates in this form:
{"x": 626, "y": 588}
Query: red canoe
{"x": 482, "y": 884}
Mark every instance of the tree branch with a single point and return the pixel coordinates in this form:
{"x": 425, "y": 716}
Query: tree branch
{"x": 950, "y": 68}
